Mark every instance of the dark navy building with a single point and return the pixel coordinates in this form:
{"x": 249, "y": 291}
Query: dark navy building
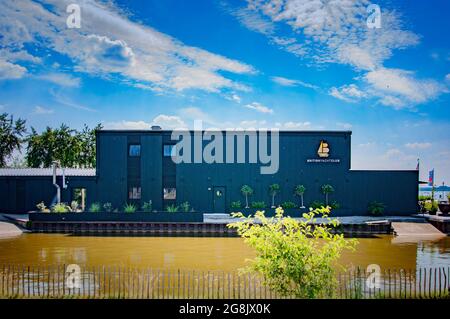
{"x": 137, "y": 166}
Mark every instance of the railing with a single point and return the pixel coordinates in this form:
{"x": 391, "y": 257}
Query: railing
{"x": 17, "y": 281}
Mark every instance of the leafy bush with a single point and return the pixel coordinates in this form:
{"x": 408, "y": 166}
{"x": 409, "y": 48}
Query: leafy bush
{"x": 431, "y": 207}
{"x": 235, "y": 205}
{"x": 376, "y": 208}
{"x": 129, "y": 208}
{"x": 425, "y": 197}
{"x": 108, "y": 207}
{"x": 288, "y": 205}
{"x": 185, "y": 207}
{"x": 42, "y": 208}
{"x": 258, "y": 205}
{"x": 147, "y": 206}
{"x": 294, "y": 258}
{"x": 95, "y": 208}
{"x": 172, "y": 208}
{"x": 317, "y": 204}
{"x": 60, "y": 208}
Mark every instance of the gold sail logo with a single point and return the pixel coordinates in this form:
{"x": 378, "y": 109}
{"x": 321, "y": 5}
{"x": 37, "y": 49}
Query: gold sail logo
{"x": 323, "y": 150}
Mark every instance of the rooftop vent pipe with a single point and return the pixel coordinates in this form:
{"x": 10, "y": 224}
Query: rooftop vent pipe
{"x": 156, "y": 128}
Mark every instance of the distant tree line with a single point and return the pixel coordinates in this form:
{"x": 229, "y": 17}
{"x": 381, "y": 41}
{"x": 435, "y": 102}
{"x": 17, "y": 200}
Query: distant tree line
{"x": 71, "y": 147}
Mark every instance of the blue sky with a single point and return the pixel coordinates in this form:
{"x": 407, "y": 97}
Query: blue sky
{"x": 290, "y": 64}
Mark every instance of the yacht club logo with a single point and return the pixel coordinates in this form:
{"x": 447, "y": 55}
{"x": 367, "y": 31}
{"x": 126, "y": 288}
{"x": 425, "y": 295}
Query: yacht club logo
{"x": 324, "y": 153}
{"x": 324, "y": 150}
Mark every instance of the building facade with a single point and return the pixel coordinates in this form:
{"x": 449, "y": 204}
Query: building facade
{"x": 139, "y": 166}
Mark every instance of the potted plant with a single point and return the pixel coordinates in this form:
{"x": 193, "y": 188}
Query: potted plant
{"x": 300, "y": 191}
{"x": 246, "y": 191}
{"x": 273, "y": 190}
{"x": 445, "y": 207}
{"x": 326, "y": 190}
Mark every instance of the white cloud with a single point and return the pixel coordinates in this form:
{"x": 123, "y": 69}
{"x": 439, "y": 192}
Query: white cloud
{"x": 418, "y": 145}
{"x": 290, "y": 125}
{"x": 348, "y": 93}
{"x": 39, "y": 110}
{"x": 259, "y": 107}
{"x": 290, "y": 82}
{"x": 127, "y": 125}
{"x": 11, "y": 71}
{"x": 168, "y": 122}
{"x": 345, "y": 126}
{"x": 112, "y": 46}
{"x": 253, "y": 124}
{"x": 399, "y": 88}
{"x": 234, "y": 97}
{"x": 61, "y": 79}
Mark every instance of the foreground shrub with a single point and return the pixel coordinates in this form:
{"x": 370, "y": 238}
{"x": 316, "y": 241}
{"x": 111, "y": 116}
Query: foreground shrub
{"x": 295, "y": 258}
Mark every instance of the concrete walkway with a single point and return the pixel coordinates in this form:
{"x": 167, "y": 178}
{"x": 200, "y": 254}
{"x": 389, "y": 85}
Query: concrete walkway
{"x": 415, "y": 229}
{"x": 9, "y": 230}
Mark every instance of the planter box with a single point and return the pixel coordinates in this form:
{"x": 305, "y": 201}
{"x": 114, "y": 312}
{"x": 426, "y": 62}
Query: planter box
{"x": 444, "y": 208}
{"x": 292, "y": 212}
{"x": 162, "y": 217}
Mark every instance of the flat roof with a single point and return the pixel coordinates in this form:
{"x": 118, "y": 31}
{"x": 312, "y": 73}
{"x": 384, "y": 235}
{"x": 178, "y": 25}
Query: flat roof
{"x": 141, "y": 131}
{"x": 47, "y": 172}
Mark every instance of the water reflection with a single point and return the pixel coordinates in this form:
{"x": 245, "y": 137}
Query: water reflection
{"x": 203, "y": 253}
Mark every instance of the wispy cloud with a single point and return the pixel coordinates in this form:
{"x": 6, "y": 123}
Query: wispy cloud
{"x": 39, "y": 110}
{"x": 336, "y": 32}
{"x": 290, "y": 82}
{"x": 348, "y": 93}
{"x": 112, "y": 46}
{"x": 259, "y": 107}
{"x": 418, "y": 145}
{"x": 61, "y": 79}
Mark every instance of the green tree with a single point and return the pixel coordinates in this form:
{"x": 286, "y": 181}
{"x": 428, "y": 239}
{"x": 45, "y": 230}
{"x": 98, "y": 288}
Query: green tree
{"x": 68, "y": 146}
{"x": 11, "y": 133}
{"x": 300, "y": 190}
{"x": 246, "y": 191}
{"x": 326, "y": 190}
{"x": 273, "y": 191}
{"x": 295, "y": 258}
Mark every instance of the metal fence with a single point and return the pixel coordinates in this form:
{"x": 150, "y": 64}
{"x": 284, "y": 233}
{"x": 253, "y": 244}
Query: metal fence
{"x": 19, "y": 281}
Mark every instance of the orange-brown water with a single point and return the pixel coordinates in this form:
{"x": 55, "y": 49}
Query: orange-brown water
{"x": 202, "y": 253}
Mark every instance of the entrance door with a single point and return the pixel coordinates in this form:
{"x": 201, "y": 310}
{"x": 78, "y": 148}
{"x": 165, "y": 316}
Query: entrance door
{"x": 219, "y": 199}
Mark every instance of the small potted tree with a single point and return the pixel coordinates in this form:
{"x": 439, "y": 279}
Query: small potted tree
{"x": 300, "y": 191}
{"x": 273, "y": 190}
{"x": 246, "y": 191}
{"x": 326, "y": 190}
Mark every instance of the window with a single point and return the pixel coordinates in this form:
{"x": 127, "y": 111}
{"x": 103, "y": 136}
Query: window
{"x": 134, "y": 150}
{"x": 134, "y": 193}
{"x": 170, "y": 193}
{"x": 169, "y": 150}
